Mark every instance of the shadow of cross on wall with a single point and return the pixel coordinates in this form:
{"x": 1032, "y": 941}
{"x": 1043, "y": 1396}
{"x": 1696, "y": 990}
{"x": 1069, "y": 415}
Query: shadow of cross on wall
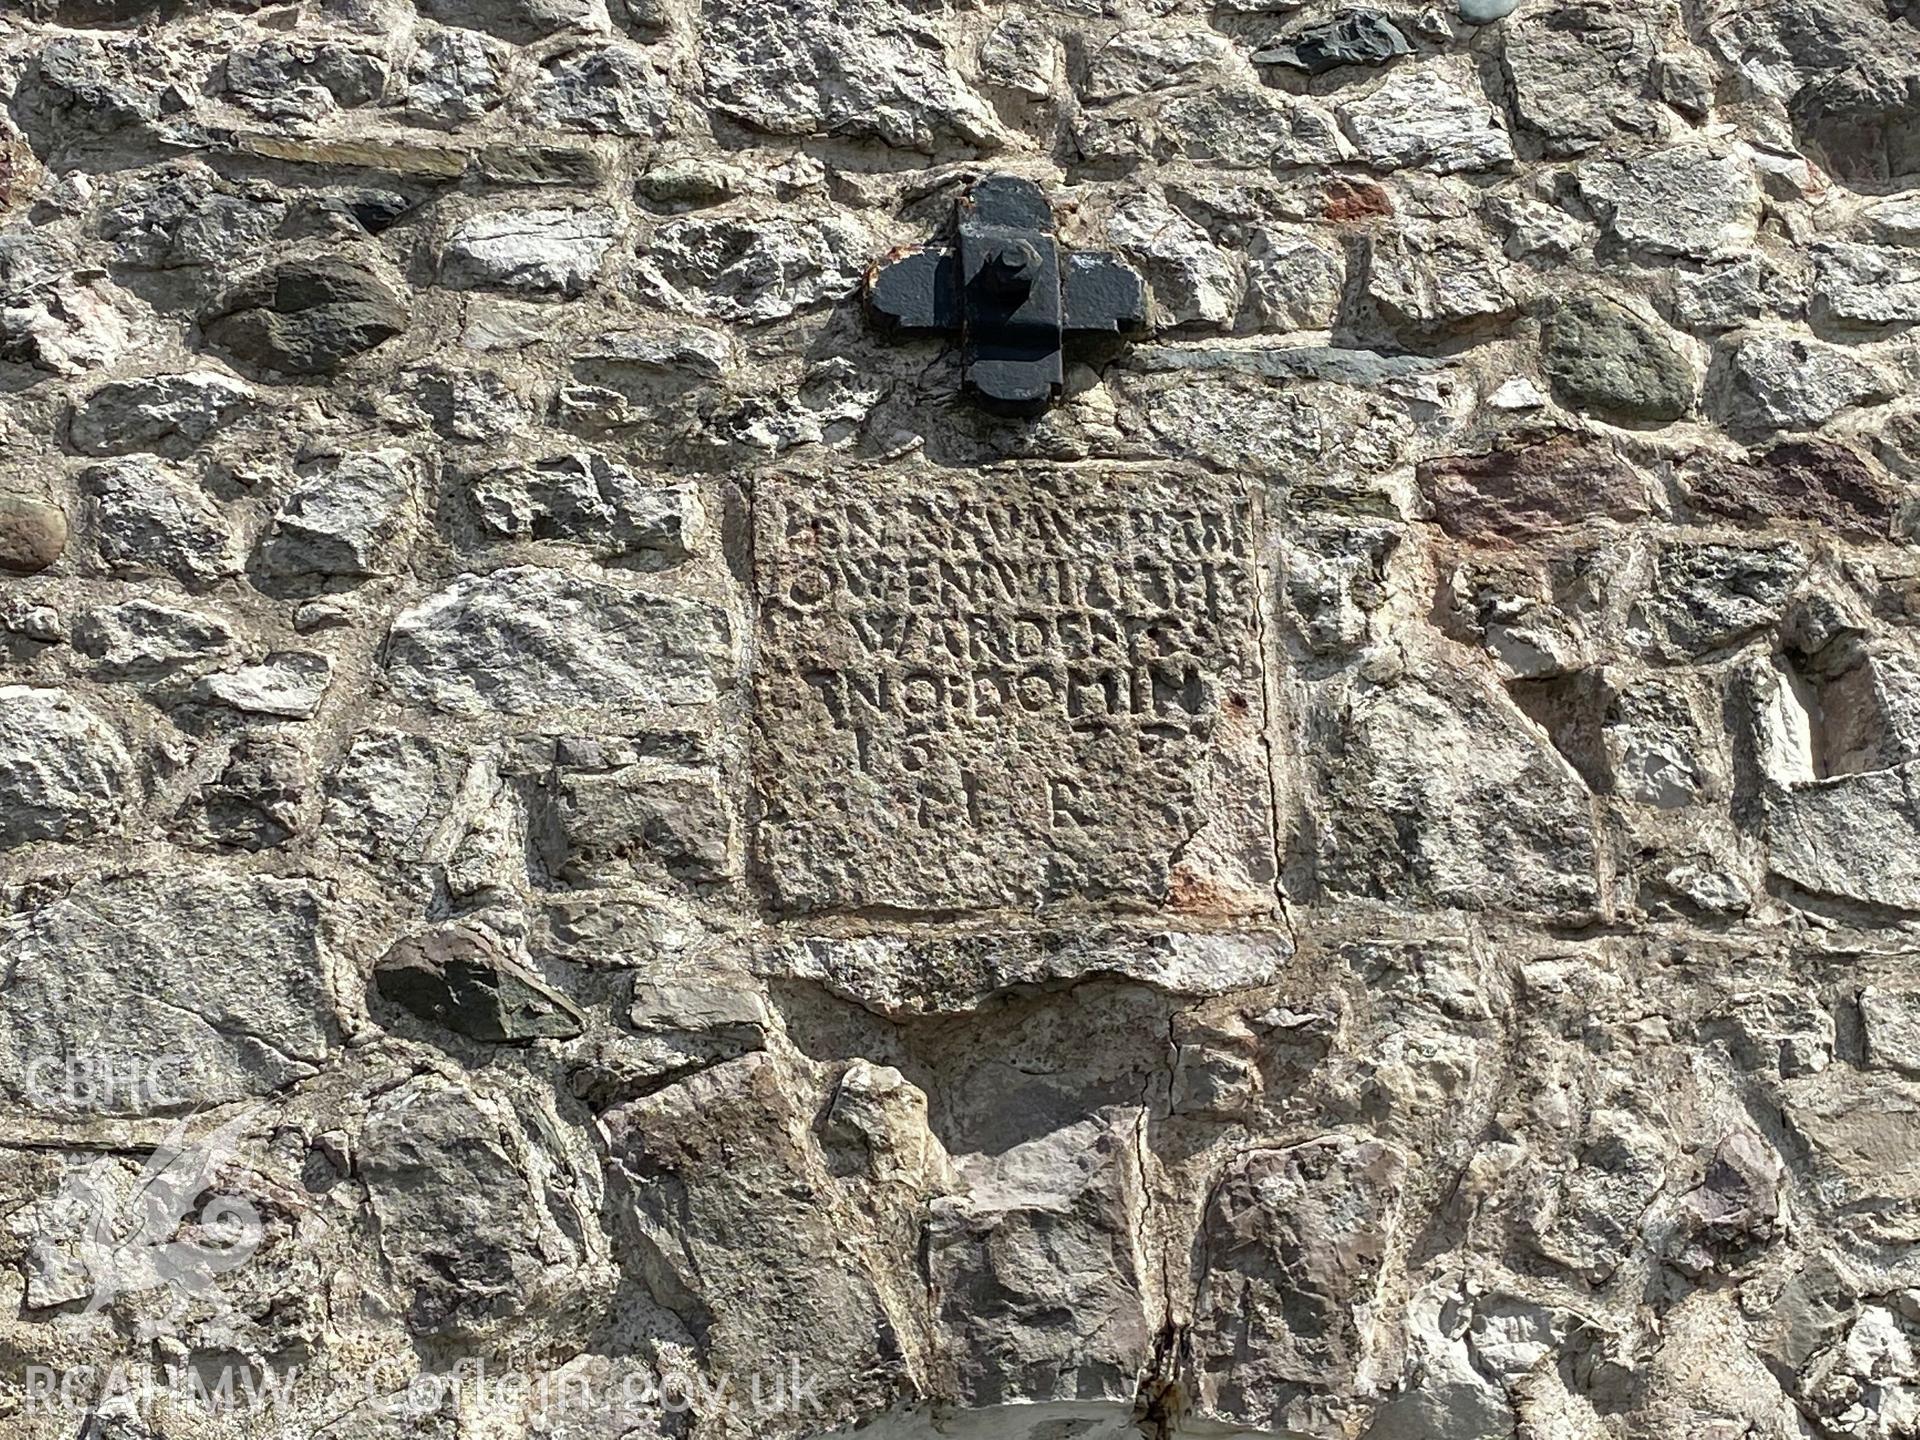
{"x": 1014, "y": 296}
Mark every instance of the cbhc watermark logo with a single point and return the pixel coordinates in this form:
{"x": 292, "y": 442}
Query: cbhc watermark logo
{"x": 106, "y": 1082}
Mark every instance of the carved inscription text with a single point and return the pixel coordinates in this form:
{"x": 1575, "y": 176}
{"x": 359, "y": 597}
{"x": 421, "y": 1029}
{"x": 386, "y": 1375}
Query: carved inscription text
{"x": 998, "y": 687}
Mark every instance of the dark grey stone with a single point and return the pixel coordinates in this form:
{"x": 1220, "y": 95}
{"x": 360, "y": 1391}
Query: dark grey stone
{"x": 460, "y": 979}
{"x": 1354, "y": 37}
{"x": 306, "y": 317}
{"x": 78, "y": 87}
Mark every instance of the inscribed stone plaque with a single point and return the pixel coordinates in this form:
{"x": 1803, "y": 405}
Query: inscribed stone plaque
{"x": 1008, "y": 687}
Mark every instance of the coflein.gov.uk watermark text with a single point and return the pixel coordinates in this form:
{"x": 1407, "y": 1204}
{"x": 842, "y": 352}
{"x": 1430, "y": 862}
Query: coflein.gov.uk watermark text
{"x": 468, "y": 1387}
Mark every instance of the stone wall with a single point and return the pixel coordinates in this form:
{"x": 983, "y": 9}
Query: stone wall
{"x": 569, "y": 815}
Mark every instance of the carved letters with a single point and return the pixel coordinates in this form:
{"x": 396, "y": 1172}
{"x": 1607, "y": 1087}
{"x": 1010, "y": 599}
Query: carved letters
{"x": 1000, "y": 686}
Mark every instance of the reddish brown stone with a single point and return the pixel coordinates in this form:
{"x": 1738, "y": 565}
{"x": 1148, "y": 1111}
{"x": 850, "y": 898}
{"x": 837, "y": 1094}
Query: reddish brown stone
{"x": 1356, "y": 200}
{"x": 1531, "y": 488}
{"x": 1811, "y": 481}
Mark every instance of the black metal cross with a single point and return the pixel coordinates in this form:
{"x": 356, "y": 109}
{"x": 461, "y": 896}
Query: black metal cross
{"x": 1014, "y": 296}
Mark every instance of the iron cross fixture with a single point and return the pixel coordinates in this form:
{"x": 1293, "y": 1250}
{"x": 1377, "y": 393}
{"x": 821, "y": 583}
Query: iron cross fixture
{"x": 1016, "y": 299}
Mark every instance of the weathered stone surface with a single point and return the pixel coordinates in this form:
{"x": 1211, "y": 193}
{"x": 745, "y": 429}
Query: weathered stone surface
{"x": 1433, "y": 115}
{"x": 1865, "y": 286}
{"x": 1538, "y": 231}
{"x": 1136, "y": 61}
{"x": 1515, "y": 611}
{"x": 846, "y": 67}
{"x": 470, "y": 1239}
{"x": 288, "y": 686}
{"x": 1736, "y": 1208}
{"x": 1269, "y": 429}
{"x": 1891, "y": 1020}
{"x": 539, "y": 252}
{"x": 1778, "y": 46}
{"x": 610, "y": 91}
{"x": 1244, "y": 128}
{"x": 686, "y": 1217}
{"x": 1513, "y": 831}
{"x": 1293, "y": 281}
{"x": 261, "y": 798}
{"x": 1045, "y": 1295}
{"x": 392, "y": 799}
{"x": 1794, "y": 383}
{"x": 1602, "y": 357}
{"x": 1585, "y": 1219}
{"x": 1686, "y": 201}
{"x": 77, "y": 88}
{"x": 1863, "y": 123}
{"x": 55, "y": 315}
{"x": 1892, "y": 220}
{"x": 184, "y": 216}
{"x": 1854, "y": 836}
{"x": 1704, "y": 597}
{"x": 1428, "y": 283}
{"x": 949, "y": 717}
{"x": 727, "y": 268}
{"x": 588, "y": 501}
{"x": 64, "y": 773}
{"x": 1655, "y": 745}
{"x": 1464, "y": 1348}
{"x": 1730, "y": 297}
{"x": 168, "y": 415}
{"x": 1354, "y": 880}
{"x": 1290, "y": 1255}
{"x": 1580, "y": 73}
{"x": 306, "y": 317}
{"x": 288, "y": 78}
{"x": 687, "y": 1024}
{"x": 348, "y": 518}
{"x": 455, "y": 76}
{"x": 517, "y": 20}
{"x": 224, "y": 977}
{"x": 33, "y": 533}
{"x": 617, "y": 814}
{"x": 1335, "y": 584}
{"x": 1859, "y": 1131}
{"x": 141, "y": 638}
{"x": 696, "y": 351}
{"x": 1685, "y": 79}
{"x": 528, "y": 639}
{"x": 1021, "y": 53}
{"x": 1189, "y": 278}
{"x": 460, "y": 978}
{"x": 1524, "y": 490}
{"x": 148, "y": 520}
{"x": 1866, "y": 691}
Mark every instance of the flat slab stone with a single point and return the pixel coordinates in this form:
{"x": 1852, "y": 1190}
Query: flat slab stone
{"x": 1009, "y": 687}
{"x": 163, "y": 992}
{"x": 902, "y": 975}
{"x": 532, "y": 638}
